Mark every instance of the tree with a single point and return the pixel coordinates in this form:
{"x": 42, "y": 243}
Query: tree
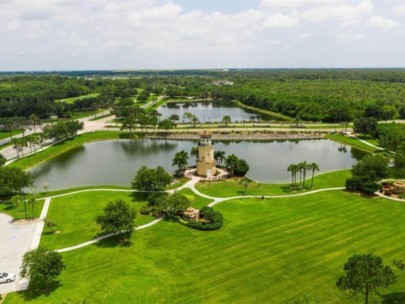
{"x": 194, "y": 152}
{"x": 219, "y": 157}
{"x": 149, "y": 179}
{"x": 293, "y": 169}
{"x": 314, "y": 167}
{"x": 166, "y": 124}
{"x": 231, "y": 163}
{"x": 304, "y": 168}
{"x": 226, "y": 119}
{"x": 35, "y": 120}
{"x": 3, "y": 160}
{"x": 176, "y": 203}
{"x": 364, "y": 274}
{"x": 180, "y": 160}
{"x": 245, "y": 182}
{"x": 174, "y": 117}
{"x": 12, "y": 180}
{"x": 42, "y": 265}
{"x": 118, "y": 217}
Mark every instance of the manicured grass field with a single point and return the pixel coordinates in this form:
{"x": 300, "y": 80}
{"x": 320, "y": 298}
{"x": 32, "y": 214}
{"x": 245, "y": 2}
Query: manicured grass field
{"x": 268, "y": 251}
{"x": 75, "y": 216}
{"x": 18, "y": 212}
{"x": 232, "y": 187}
{"x": 352, "y": 142}
{"x": 73, "y": 99}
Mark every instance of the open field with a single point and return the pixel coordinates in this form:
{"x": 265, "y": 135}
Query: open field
{"x": 232, "y": 187}
{"x": 270, "y": 251}
{"x": 18, "y": 212}
{"x": 75, "y": 216}
{"x": 73, "y": 99}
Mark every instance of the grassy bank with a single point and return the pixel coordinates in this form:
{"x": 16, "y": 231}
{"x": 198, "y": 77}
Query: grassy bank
{"x": 4, "y": 135}
{"x": 18, "y": 212}
{"x": 265, "y": 112}
{"x": 57, "y": 149}
{"x": 229, "y": 188}
{"x": 277, "y": 249}
{"x": 353, "y": 142}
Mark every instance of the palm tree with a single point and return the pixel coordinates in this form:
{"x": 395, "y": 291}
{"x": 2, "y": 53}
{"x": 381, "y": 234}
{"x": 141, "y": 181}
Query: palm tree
{"x": 35, "y": 120}
{"x": 231, "y": 163}
{"x": 226, "y": 119}
{"x": 291, "y": 168}
{"x": 180, "y": 159}
{"x": 304, "y": 166}
{"x": 194, "y": 152}
{"x": 219, "y": 157}
{"x": 313, "y": 167}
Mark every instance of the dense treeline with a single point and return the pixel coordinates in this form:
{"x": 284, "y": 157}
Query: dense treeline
{"x": 307, "y": 94}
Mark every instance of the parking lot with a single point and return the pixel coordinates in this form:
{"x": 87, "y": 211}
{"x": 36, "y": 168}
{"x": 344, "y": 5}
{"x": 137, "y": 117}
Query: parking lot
{"x": 15, "y": 240}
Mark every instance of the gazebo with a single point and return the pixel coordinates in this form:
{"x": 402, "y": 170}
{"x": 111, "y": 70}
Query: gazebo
{"x": 191, "y": 214}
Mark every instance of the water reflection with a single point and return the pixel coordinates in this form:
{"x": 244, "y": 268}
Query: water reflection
{"x": 116, "y": 162}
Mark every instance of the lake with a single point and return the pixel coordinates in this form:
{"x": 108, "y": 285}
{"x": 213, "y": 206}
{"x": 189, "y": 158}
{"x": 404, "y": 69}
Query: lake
{"x": 115, "y": 162}
{"x": 211, "y": 111}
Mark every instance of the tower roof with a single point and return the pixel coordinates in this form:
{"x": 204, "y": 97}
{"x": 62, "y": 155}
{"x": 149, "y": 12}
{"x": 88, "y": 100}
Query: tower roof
{"x": 205, "y": 134}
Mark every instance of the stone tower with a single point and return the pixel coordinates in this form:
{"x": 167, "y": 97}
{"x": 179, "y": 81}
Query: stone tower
{"x": 206, "y": 160}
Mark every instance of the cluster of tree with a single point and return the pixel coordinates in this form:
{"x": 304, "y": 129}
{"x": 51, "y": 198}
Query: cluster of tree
{"x": 366, "y": 126}
{"x": 160, "y": 204}
{"x": 302, "y": 169}
{"x": 12, "y": 179}
{"x": 151, "y": 180}
{"x": 367, "y": 173}
{"x": 63, "y": 129}
{"x": 181, "y": 161}
{"x": 236, "y": 166}
{"x": 209, "y": 220}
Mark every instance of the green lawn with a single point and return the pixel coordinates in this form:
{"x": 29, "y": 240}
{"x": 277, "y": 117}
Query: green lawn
{"x": 55, "y": 150}
{"x": 352, "y": 142}
{"x": 4, "y": 135}
{"x": 75, "y": 216}
{"x": 270, "y": 251}
{"x": 196, "y": 200}
{"x": 229, "y": 188}
{"x": 18, "y": 212}
{"x": 73, "y": 99}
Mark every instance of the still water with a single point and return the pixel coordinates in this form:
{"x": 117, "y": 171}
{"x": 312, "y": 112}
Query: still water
{"x": 211, "y": 111}
{"x": 115, "y": 162}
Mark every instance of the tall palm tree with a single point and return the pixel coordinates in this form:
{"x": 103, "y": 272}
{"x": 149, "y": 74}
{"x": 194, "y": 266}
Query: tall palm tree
{"x": 180, "y": 159}
{"x": 219, "y": 157}
{"x": 226, "y": 119}
{"x": 35, "y": 120}
{"x": 304, "y": 166}
{"x": 314, "y": 167}
{"x": 291, "y": 168}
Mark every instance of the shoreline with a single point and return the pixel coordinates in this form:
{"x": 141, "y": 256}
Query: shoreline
{"x": 239, "y": 135}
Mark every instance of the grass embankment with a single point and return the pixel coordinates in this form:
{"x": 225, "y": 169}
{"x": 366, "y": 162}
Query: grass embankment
{"x": 59, "y": 148}
{"x": 278, "y": 116}
{"x": 229, "y": 188}
{"x": 73, "y": 99}
{"x": 353, "y": 142}
{"x": 273, "y": 250}
{"x": 75, "y": 216}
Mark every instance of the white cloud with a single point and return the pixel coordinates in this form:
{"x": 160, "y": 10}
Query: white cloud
{"x": 351, "y": 36}
{"x": 279, "y": 21}
{"x": 295, "y": 4}
{"x": 303, "y": 36}
{"x": 400, "y": 9}
{"x": 383, "y": 23}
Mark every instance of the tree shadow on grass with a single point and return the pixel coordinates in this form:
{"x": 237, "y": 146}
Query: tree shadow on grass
{"x": 36, "y": 289}
{"x": 120, "y": 240}
{"x": 139, "y": 196}
{"x": 393, "y": 298}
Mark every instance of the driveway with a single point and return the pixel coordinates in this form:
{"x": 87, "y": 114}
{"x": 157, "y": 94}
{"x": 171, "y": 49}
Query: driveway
{"x": 15, "y": 240}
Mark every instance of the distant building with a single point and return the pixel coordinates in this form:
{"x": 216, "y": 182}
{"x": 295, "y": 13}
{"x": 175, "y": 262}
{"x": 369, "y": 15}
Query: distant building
{"x": 205, "y": 160}
{"x": 221, "y": 83}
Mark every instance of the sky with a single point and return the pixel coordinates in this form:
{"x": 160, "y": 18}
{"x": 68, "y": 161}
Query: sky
{"x": 204, "y": 34}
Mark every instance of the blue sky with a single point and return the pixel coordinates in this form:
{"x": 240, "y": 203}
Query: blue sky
{"x": 186, "y": 34}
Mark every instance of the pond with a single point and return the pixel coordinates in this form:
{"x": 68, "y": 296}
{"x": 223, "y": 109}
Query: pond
{"x": 115, "y": 162}
{"x": 211, "y": 111}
